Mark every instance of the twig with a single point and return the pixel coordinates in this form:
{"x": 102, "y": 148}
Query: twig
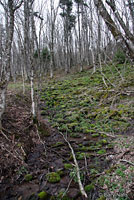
{"x": 5, "y": 136}
{"x": 67, "y": 188}
{"x": 127, "y": 161}
{"x": 77, "y": 168}
{"x": 86, "y": 165}
{"x": 18, "y": 158}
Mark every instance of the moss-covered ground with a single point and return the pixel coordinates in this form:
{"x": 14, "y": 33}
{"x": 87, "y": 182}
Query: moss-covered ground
{"x": 95, "y": 111}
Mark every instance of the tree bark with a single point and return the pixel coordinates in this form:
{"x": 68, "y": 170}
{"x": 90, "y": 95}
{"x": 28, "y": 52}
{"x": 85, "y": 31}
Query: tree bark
{"x": 127, "y": 43}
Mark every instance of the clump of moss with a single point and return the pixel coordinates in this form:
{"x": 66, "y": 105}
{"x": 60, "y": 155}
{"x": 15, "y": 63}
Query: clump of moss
{"x": 80, "y": 156}
{"x": 88, "y": 188}
{"x": 43, "y": 195}
{"x": 58, "y": 144}
{"x": 102, "y": 151}
{"x": 75, "y": 135}
{"x": 53, "y": 177}
{"x": 104, "y": 135}
{"x": 72, "y": 125}
{"x": 103, "y": 141}
{"x": 28, "y": 177}
{"x": 60, "y": 172}
{"x": 68, "y": 166}
{"x": 95, "y": 135}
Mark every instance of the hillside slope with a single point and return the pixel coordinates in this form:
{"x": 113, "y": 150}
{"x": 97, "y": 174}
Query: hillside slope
{"x": 96, "y": 113}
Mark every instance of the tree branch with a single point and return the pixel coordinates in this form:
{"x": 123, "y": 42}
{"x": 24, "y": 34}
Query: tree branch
{"x": 77, "y": 167}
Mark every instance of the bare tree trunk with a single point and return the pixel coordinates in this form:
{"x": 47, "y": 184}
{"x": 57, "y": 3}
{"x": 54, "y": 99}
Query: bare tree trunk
{"x": 9, "y": 11}
{"x": 126, "y": 41}
{"x": 131, "y": 8}
{"x": 3, "y": 88}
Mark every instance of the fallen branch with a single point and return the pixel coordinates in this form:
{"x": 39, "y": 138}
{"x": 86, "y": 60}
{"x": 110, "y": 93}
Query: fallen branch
{"x": 77, "y": 168}
{"x": 127, "y": 161}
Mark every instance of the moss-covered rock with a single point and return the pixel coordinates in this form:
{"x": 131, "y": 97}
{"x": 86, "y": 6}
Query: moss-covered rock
{"x": 53, "y": 177}
{"x": 28, "y": 177}
{"x": 43, "y": 195}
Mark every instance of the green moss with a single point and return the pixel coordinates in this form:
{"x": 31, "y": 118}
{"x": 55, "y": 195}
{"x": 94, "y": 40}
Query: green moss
{"x": 104, "y": 141}
{"x": 110, "y": 170}
{"x": 28, "y": 177}
{"x": 89, "y": 188}
{"x": 75, "y": 135}
{"x": 95, "y": 135}
{"x": 73, "y": 118}
{"x": 58, "y": 144}
{"x": 92, "y": 115}
{"x": 110, "y": 146}
{"x": 63, "y": 127}
{"x": 113, "y": 114}
{"x": 68, "y": 166}
{"x": 61, "y": 172}
{"x": 80, "y": 156}
{"x": 72, "y": 125}
{"x": 94, "y": 171}
{"x": 53, "y": 177}
{"x": 104, "y": 135}
{"x": 102, "y": 151}
{"x": 102, "y": 198}
{"x": 43, "y": 195}
{"x": 60, "y": 120}
{"x": 43, "y": 112}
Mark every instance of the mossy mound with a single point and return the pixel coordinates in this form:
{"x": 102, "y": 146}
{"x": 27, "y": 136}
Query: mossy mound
{"x": 53, "y": 177}
{"x": 68, "y": 166}
{"x": 101, "y": 152}
{"x": 43, "y": 195}
{"x": 28, "y": 177}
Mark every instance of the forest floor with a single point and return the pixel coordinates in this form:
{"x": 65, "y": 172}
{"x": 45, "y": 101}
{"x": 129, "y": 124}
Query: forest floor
{"x": 95, "y": 113}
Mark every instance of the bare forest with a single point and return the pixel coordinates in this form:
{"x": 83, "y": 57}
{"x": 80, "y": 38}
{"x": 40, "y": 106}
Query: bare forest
{"x": 66, "y": 99}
